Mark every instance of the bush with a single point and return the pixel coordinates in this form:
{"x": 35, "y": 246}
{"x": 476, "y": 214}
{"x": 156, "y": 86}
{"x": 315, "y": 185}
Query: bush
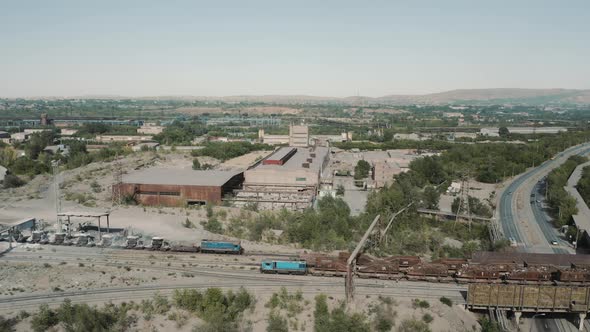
{"x": 447, "y": 301}
{"x": 188, "y": 224}
{"x": 423, "y": 304}
{"x": 338, "y": 319}
{"x": 214, "y": 226}
{"x": 277, "y": 323}
{"x": 220, "y": 311}
{"x": 412, "y": 325}
{"x": 12, "y": 181}
{"x": 488, "y": 325}
{"x": 7, "y": 325}
{"x": 427, "y": 318}
{"x": 196, "y": 164}
{"x": 44, "y": 319}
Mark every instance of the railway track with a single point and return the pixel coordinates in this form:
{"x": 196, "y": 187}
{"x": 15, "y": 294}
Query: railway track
{"x": 136, "y": 293}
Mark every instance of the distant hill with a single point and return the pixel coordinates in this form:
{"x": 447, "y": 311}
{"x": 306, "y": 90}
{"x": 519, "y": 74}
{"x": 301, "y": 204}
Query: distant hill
{"x": 461, "y": 96}
{"x": 496, "y": 96}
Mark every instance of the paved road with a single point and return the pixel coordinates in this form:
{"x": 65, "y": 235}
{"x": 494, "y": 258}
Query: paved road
{"x": 523, "y": 219}
{"x": 516, "y": 211}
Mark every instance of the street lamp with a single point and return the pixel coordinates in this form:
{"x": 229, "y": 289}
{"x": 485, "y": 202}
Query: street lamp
{"x": 533, "y": 320}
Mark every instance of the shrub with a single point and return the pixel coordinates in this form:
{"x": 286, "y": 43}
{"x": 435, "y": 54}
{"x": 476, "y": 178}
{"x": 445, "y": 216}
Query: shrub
{"x": 188, "y": 224}
{"x": 44, "y": 319}
{"x": 12, "y": 181}
{"x": 427, "y": 318}
{"x": 446, "y": 301}
{"x": 412, "y": 325}
{"x": 220, "y": 311}
{"x": 196, "y": 164}
{"x": 277, "y": 323}
{"x": 214, "y": 226}
{"x": 416, "y": 303}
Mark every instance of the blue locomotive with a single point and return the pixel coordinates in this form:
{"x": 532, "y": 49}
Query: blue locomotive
{"x": 222, "y": 247}
{"x": 283, "y": 267}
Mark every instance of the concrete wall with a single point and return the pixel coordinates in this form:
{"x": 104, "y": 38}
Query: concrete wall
{"x": 302, "y": 177}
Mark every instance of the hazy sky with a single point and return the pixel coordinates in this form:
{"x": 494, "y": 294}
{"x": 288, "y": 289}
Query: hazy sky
{"x": 336, "y": 48}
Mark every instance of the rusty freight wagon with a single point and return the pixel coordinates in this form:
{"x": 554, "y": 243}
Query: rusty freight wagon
{"x": 531, "y": 298}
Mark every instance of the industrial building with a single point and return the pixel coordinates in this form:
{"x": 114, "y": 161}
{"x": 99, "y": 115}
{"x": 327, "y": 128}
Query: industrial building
{"x": 495, "y": 132}
{"x": 298, "y": 137}
{"x": 289, "y": 178}
{"x": 179, "y": 187}
{"x": 150, "y": 129}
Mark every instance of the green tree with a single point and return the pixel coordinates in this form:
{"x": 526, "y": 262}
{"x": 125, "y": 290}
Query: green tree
{"x": 362, "y": 169}
{"x": 431, "y": 197}
{"x": 321, "y": 314}
{"x": 340, "y": 190}
{"x": 503, "y": 132}
{"x": 44, "y": 319}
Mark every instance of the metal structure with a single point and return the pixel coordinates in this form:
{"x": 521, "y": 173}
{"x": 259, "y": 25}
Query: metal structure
{"x": 452, "y": 216}
{"x": 351, "y": 262}
{"x": 57, "y": 194}
{"x": 530, "y": 298}
{"x": 69, "y": 215}
{"x": 384, "y": 232}
{"x": 116, "y": 186}
{"x": 464, "y": 200}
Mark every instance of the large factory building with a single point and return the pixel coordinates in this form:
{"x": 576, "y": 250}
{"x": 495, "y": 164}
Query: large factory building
{"x": 178, "y": 187}
{"x": 289, "y": 178}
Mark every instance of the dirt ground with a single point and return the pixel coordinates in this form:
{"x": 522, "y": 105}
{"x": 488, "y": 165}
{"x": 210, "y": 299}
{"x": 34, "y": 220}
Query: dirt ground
{"x": 36, "y": 269}
{"x": 485, "y": 192}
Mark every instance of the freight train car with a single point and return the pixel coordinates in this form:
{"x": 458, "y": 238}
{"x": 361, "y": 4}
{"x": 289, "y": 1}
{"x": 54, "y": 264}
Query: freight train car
{"x": 283, "y": 267}
{"x": 222, "y": 247}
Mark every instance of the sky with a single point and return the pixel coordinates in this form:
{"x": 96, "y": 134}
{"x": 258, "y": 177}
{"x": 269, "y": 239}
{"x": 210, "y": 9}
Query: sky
{"x": 323, "y": 48}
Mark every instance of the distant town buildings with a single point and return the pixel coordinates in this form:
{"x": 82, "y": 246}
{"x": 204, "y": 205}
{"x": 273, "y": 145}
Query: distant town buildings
{"x": 122, "y": 138}
{"x": 68, "y": 132}
{"x": 5, "y": 137}
{"x": 150, "y": 129}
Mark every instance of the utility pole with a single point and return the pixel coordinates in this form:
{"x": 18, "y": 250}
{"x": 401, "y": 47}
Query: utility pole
{"x": 464, "y": 200}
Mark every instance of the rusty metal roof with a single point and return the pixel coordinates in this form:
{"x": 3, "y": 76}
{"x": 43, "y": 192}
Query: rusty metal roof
{"x": 562, "y": 260}
{"x": 180, "y": 177}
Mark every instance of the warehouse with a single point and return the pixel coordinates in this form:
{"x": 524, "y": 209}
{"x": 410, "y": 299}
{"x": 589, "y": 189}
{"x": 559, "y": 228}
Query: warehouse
{"x": 289, "y": 178}
{"x": 179, "y": 187}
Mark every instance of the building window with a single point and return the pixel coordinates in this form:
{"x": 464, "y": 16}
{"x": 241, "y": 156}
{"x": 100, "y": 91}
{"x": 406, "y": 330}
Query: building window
{"x": 169, "y": 193}
{"x": 300, "y": 179}
{"x": 148, "y": 193}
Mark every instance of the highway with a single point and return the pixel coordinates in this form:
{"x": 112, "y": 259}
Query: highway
{"x": 518, "y": 206}
{"x": 524, "y": 220}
